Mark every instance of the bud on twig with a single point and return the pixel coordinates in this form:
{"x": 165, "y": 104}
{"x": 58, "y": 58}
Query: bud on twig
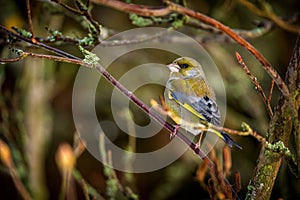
{"x": 65, "y": 158}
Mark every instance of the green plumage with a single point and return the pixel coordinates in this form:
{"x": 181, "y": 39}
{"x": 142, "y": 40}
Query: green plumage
{"x": 190, "y": 98}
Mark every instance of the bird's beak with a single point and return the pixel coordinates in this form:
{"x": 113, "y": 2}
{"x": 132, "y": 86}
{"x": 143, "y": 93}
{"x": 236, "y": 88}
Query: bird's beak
{"x": 173, "y": 67}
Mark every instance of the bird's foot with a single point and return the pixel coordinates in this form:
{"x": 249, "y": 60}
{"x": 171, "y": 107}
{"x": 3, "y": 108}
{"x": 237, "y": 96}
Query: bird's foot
{"x": 198, "y": 144}
{"x": 176, "y": 127}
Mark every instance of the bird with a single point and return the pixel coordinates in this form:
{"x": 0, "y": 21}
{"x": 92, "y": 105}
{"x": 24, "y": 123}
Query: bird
{"x": 191, "y": 101}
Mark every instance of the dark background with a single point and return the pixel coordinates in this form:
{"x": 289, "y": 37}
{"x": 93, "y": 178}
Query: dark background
{"x": 176, "y": 181}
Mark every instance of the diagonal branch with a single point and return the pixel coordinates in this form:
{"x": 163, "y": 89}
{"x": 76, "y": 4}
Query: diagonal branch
{"x": 256, "y": 83}
{"x": 135, "y": 100}
{"x": 146, "y": 11}
{"x": 173, "y": 7}
{"x": 267, "y": 66}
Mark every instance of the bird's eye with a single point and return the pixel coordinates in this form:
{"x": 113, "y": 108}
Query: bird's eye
{"x": 184, "y": 65}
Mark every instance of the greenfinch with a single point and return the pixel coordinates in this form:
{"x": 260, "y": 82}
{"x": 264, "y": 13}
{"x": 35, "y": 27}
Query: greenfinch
{"x": 191, "y": 100}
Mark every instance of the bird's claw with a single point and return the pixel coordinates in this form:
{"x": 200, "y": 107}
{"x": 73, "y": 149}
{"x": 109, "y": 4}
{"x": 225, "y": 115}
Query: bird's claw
{"x": 198, "y": 144}
{"x": 172, "y": 135}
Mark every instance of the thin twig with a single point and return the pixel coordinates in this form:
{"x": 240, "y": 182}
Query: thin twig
{"x": 86, "y": 187}
{"x": 24, "y": 55}
{"x": 7, "y": 160}
{"x": 255, "y": 82}
{"x": 19, "y": 185}
{"x": 30, "y": 20}
{"x": 113, "y": 174}
{"x": 69, "y": 8}
{"x": 237, "y": 181}
{"x": 142, "y": 10}
{"x": 104, "y": 43}
{"x": 37, "y": 44}
{"x": 267, "y": 12}
{"x": 10, "y": 60}
{"x": 248, "y": 131}
{"x": 83, "y": 12}
{"x": 207, "y": 126}
{"x": 262, "y": 28}
{"x": 270, "y": 92}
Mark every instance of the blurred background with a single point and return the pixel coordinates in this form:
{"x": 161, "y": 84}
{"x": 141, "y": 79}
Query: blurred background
{"x": 37, "y": 124}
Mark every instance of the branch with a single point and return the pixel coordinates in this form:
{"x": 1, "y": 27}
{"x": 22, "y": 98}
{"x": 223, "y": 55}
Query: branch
{"x": 36, "y": 43}
{"x": 280, "y": 129}
{"x": 154, "y": 11}
{"x": 146, "y": 11}
{"x": 30, "y": 20}
{"x": 83, "y": 11}
{"x": 132, "y": 97}
{"x": 293, "y": 79}
{"x": 270, "y": 92}
{"x": 114, "y": 82}
{"x": 65, "y": 57}
{"x": 247, "y": 130}
{"x": 256, "y": 83}
{"x": 204, "y": 126}
{"x": 267, "y": 66}
{"x": 267, "y": 12}
{"x": 262, "y": 28}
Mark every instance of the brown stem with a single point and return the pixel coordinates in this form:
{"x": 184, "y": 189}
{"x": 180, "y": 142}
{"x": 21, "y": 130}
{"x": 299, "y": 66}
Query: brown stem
{"x": 267, "y": 66}
{"x": 30, "y": 20}
{"x": 82, "y": 13}
{"x": 10, "y": 60}
{"x": 36, "y": 43}
{"x": 255, "y": 82}
{"x": 146, "y": 11}
{"x": 270, "y": 93}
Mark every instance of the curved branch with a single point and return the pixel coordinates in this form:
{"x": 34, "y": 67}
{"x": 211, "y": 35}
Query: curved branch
{"x": 170, "y": 6}
{"x": 267, "y": 66}
{"x": 146, "y": 11}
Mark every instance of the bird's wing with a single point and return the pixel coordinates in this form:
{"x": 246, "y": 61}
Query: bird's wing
{"x": 200, "y": 107}
{"x": 203, "y": 107}
{"x": 206, "y": 109}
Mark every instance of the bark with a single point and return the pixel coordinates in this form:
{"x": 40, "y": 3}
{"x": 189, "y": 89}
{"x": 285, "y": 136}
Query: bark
{"x": 284, "y": 122}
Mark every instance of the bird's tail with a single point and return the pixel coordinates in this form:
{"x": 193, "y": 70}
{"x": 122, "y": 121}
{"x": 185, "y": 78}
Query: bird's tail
{"x": 230, "y": 141}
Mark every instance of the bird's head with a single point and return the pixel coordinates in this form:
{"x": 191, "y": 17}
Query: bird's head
{"x": 187, "y": 67}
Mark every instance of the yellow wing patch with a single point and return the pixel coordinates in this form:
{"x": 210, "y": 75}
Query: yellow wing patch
{"x": 194, "y": 112}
